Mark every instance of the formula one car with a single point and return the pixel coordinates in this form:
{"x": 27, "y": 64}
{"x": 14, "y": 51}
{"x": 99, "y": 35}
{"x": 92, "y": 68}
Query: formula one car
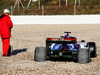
{"x": 66, "y": 47}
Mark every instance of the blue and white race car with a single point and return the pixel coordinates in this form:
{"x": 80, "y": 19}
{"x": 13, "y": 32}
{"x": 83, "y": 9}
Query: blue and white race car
{"x": 66, "y": 47}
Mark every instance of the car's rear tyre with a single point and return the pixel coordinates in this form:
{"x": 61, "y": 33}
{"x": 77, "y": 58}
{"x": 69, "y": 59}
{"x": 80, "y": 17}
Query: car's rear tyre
{"x": 83, "y": 55}
{"x": 40, "y": 54}
{"x": 92, "y": 47}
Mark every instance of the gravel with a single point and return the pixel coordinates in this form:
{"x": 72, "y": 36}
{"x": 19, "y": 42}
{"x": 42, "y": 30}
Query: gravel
{"x": 25, "y": 38}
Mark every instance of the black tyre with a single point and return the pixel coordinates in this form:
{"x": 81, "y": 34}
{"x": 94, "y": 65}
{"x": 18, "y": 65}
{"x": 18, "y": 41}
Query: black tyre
{"x": 92, "y": 47}
{"x": 40, "y": 54}
{"x": 83, "y": 55}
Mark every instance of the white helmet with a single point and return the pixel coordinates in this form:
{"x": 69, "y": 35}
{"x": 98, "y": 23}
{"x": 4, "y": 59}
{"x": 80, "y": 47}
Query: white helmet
{"x": 6, "y": 11}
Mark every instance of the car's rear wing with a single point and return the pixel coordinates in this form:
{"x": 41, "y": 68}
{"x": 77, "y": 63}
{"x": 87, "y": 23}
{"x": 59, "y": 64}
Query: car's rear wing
{"x": 61, "y": 40}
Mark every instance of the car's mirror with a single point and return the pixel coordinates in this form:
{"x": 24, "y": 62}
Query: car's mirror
{"x": 82, "y": 40}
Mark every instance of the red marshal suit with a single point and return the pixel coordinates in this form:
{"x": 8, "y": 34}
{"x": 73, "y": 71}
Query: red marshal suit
{"x": 5, "y": 32}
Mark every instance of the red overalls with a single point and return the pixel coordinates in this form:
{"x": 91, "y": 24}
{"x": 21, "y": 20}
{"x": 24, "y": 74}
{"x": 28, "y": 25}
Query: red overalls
{"x": 5, "y": 32}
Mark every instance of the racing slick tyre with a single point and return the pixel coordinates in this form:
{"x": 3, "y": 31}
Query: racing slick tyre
{"x": 92, "y": 47}
{"x": 40, "y": 54}
{"x": 83, "y": 55}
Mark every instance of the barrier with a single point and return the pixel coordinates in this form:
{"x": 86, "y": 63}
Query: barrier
{"x": 58, "y": 19}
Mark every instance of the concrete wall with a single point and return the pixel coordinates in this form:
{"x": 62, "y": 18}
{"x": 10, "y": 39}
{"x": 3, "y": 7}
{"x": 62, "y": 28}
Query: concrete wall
{"x": 63, "y": 19}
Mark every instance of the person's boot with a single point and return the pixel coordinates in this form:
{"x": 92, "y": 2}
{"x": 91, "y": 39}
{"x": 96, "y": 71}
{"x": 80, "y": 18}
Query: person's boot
{"x": 5, "y": 55}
